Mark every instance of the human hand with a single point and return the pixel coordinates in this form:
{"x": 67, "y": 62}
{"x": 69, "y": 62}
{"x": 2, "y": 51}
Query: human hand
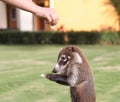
{"x": 49, "y": 14}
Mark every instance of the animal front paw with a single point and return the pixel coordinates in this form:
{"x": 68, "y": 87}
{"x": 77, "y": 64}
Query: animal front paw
{"x": 52, "y": 77}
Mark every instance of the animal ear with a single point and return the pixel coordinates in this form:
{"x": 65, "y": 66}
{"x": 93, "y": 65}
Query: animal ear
{"x": 72, "y": 48}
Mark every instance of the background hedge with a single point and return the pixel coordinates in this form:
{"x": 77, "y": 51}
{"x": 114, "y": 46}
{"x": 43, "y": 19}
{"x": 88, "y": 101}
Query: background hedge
{"x": 84, "y": 37}
{"x": 42, "y": 37}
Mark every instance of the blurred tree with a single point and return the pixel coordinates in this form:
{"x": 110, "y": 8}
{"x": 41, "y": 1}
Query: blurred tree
{"x": 116, "y": 5}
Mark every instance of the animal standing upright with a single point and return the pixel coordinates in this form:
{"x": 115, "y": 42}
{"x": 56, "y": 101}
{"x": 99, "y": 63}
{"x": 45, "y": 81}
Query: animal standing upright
{"x": 73, "y": 69}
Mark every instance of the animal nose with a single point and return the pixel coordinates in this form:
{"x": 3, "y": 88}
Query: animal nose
{"x": 54, "y": 71}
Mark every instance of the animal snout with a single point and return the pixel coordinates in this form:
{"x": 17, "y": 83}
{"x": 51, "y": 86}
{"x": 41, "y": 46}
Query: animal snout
{"x": 54, "y": 71}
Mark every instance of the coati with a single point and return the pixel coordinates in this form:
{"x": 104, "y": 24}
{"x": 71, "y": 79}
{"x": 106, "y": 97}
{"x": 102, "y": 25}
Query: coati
{"x": 73, "y": 69}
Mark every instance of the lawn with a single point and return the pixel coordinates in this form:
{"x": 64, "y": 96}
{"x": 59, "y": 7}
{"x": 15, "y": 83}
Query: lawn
{"x": 21, "y": 67}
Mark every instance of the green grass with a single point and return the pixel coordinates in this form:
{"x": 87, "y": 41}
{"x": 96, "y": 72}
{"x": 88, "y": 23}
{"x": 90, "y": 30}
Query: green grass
{"x": 21, "y": 66}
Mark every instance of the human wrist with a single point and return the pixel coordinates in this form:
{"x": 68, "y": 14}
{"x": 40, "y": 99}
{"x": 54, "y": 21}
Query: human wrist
{"x": 37, "y": 10}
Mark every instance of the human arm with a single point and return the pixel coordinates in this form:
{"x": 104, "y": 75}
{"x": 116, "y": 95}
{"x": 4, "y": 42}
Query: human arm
{"x": 48, "y": 14}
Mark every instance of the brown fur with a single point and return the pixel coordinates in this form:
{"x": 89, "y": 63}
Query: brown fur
{"x": 83, "y": 91}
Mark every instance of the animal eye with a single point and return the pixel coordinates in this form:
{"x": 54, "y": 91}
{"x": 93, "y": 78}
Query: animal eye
{"x": 62, "y": 58}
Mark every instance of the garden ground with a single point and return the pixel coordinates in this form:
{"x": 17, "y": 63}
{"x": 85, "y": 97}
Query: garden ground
{"x": 21, "y": 68}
